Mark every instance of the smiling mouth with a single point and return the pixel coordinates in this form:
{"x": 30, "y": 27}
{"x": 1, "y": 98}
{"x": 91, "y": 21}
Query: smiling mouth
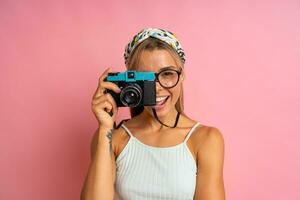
{"x": 161, "y": 100}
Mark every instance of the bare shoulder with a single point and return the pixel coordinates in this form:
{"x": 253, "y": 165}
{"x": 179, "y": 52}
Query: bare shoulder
{"x": 119, "y": 140}
{"x": 120, "y": 137}
{"x": 208, "y": 145}
{"x": 207, "y": 137}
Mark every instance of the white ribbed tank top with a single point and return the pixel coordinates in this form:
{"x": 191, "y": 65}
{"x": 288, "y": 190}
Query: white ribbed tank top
{"x": 158, "y": 173}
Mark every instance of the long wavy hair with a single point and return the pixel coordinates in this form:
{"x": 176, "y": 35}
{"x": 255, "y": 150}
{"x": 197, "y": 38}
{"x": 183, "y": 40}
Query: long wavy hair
{"x": 151, "y": 44}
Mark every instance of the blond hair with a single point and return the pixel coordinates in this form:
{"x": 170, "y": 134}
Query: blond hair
{"x": 151, "y": 44}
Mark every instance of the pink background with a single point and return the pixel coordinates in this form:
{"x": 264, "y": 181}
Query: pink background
{"x": 243, "y": 77}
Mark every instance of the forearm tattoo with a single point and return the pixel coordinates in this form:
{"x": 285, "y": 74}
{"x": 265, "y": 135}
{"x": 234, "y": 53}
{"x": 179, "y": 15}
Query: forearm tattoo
{"x": 109, "y": 136}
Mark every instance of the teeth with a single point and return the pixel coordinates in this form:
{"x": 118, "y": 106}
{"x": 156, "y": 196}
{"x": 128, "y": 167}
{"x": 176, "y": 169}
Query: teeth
{"x": 158, "y": 99}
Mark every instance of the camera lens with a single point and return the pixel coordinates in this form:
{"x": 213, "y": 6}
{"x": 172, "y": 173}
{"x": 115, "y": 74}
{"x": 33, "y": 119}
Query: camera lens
{"x": 131, "y": 95}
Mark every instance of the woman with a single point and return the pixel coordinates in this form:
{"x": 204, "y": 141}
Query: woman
{"x": 160, "y": 153}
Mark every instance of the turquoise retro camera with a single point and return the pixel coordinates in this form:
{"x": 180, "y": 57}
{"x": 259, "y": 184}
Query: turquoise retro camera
{"x": 137, "y": 88}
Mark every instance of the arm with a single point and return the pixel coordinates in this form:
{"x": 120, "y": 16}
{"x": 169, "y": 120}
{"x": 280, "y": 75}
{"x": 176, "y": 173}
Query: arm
{"x": 210, "y": 159}
{"x": 99, "y": 182}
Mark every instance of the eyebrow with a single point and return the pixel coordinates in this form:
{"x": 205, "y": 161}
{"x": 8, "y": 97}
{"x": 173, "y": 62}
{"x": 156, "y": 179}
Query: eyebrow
{"x": 168, "y": 67}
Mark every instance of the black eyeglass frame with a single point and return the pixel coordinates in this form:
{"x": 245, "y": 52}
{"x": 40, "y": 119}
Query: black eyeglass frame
{"x": 178, "y": 73}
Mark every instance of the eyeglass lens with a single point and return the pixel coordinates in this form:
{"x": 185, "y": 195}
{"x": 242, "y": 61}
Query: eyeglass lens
{"x": 168, "y": 78}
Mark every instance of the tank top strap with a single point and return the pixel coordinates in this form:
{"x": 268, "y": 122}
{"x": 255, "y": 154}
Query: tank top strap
{"x": 127, "y": 130}
{"x": 191, "y": 131}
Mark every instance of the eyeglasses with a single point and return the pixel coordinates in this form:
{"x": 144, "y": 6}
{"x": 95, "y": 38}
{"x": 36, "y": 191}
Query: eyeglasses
{"x": 168, "y": 78}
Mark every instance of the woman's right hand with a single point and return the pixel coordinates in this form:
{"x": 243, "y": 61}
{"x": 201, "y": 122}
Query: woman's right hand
{"x": 103, "y": 103}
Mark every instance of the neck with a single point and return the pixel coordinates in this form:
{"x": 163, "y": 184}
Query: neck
{"x": 148, "y": 117}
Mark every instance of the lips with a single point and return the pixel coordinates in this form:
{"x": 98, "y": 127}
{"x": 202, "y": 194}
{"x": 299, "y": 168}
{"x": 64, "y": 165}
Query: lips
{"x": 161, "y": 100}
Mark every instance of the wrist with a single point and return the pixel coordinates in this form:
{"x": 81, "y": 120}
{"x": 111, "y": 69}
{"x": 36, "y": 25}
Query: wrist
{"x": 105, "y": 129}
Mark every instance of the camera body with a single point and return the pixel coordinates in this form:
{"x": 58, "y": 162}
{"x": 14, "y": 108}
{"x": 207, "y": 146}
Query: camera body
{"x": 137, "y": 88}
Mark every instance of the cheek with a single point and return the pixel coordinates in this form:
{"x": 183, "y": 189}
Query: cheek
{"x": 175, "y": 94}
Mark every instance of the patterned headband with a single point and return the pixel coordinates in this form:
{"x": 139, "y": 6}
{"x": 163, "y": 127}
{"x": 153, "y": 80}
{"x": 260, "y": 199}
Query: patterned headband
{"x": 161, "y": 34}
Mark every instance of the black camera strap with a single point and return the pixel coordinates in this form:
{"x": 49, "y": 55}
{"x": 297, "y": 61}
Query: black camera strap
{"x": 176, "y": 121}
